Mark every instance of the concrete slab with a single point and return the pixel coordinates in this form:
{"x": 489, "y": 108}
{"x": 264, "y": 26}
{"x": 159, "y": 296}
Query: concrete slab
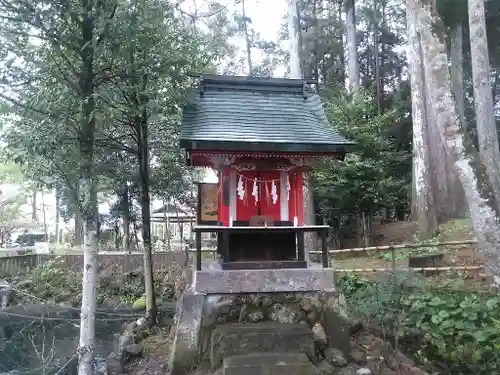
{"x": 264, "y": 281}
{"x": 269, "y": 364}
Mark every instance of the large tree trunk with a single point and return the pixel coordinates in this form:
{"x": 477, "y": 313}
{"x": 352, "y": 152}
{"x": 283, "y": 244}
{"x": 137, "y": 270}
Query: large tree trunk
{"x": 352, "y": 49}
{"x": 459, "y": 148}
{"x": 247, "y": 39}
{"x": 438, "y": 167}
{"x": 78, "y": 227}
{"x": 296, "y": 73}
{"x": 422, "y": 187}
{"x": 293, "y": 35}
{"x": 458, "y": 204}
{"x": 483, "y": 98}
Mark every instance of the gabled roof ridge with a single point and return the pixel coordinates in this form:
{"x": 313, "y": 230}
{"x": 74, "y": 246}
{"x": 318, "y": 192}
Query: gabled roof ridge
{"x": 211, "y": 82}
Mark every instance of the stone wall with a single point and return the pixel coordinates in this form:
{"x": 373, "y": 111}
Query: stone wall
{"x": 74, "y": 262}
{"x": 323, "y": 312}
{"x": 199, "y": 316}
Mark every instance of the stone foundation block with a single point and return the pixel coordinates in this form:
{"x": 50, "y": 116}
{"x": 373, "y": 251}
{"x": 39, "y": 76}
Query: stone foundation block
{"x": 240, "y": 338}
{"x": 269, "y": 363}
{"x": 187, "y": 323}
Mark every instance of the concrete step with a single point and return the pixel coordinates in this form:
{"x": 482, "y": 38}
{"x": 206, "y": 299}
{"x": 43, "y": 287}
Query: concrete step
{"x": 244, "y": 338}
{"x": 269, "y": 364}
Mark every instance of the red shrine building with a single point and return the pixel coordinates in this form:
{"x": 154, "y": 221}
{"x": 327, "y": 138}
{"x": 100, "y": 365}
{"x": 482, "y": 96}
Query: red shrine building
{"x": 261, "y": 135}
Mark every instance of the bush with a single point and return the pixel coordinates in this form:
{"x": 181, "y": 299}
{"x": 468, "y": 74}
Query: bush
{"x": 449, "y": 330}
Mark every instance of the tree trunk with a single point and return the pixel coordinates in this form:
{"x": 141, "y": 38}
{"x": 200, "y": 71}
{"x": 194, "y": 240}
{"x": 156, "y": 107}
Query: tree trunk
{"x": 296, "y": 73}
{"x": 423, "y": 194}
{"x": 438, "y": 167}
{"x": 125, "y": 217}
{"x": 143, "y": 158}
{"x": 87, "y": 127}
{"x": 293, "y": 35}
{"x": 34, "y": 216}
{"x": 457, "y": 196}
{"x": 44, "y": 217}
{"x": 78, "y": 227}
{"x": 352, "y": 48}
{"x": 341, "y": 73}
{"x": 58, "y": 216}
{"x": 247, "y": 40}
{"x": 459, "y": 147}
{"x": 483, "y": 98}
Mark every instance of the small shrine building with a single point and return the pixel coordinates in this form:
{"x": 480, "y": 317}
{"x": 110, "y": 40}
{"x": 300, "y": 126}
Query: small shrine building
{"x": 261, "y": 135}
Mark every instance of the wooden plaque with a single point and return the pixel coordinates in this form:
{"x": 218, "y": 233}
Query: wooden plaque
{"x": 208, "y": 202}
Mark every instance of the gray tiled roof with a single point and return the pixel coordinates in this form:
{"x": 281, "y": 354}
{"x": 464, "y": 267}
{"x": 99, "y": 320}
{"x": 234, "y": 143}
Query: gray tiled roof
{"x": 232, "y": 113}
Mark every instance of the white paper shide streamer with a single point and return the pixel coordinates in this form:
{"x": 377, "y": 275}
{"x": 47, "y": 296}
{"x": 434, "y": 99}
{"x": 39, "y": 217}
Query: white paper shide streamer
{"x": 241, "y": 188}
{"x": 255, "y": 191}
{"x": 288, "y": 188}
{"x": 274, "y": 192}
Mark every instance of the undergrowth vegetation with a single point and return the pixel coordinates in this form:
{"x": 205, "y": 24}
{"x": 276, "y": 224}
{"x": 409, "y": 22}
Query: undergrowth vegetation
{"x": 51, "y": 281}
{"x": 448, "y": 329}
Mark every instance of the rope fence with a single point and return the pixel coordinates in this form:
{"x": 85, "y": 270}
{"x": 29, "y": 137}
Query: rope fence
{"x": 399, "y": 247}
{"x": 393, "y": 249}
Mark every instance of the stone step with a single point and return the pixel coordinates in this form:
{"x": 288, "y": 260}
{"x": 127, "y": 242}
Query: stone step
{"x": 269, "y": 364}
{"x": 243, "y": 338}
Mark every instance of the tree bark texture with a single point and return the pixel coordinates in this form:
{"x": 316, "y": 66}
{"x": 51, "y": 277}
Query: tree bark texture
{"x": 421, "y": 173}
{"x": 458, "y": 202}
{"x": 86, "y": 345}
{"x": 143, "y": 158}
{"x": 125, "y": 209}
{"x": 293, "y": 35}
{"x": 483, "y": 97}
{"x": 465, "y": 159}
{"x": 352, "y": 50}
{"x": 247, "y": 39}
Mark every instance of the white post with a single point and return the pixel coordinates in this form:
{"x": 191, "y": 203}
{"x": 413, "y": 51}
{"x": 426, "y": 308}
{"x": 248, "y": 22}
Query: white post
{"x": 284, "y": 211}
{"x": 232, "y": 197}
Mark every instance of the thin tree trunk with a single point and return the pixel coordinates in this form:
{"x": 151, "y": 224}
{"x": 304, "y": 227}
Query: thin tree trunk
{"x": 378, "y": 79}
{"x": 87, "y": 120}
{"x": 424, "y": 201}
{"x": 352, "y": 49}
{"x": 459, "y": 147}
{"x": 44, "y": 215}
{"x": 483, "y": 98}
{"x": 58, "y": 216}
{"x": 125, "y": 202}
{"x": 34, "y": 215}
{"x": 143, "y": 158}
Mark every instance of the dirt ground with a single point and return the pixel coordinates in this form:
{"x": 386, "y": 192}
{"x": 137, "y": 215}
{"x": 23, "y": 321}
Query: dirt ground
{"x": 154, "y": 360}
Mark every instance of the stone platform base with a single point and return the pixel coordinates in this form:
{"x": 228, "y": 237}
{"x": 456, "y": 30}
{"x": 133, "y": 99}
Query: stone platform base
{"x": 269, "y": 363}
{"x": 221, "y": 299}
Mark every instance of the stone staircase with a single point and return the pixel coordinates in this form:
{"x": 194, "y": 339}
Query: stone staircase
{"x": 262, "y": 349}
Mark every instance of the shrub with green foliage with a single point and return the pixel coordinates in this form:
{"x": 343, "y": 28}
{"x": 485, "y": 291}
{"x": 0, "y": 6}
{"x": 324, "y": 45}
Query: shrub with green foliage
{"x": 449, "y": 330}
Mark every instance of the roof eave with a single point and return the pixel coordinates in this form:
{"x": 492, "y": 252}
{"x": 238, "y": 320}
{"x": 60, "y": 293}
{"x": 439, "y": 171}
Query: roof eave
{"x": 340, "y": 148}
